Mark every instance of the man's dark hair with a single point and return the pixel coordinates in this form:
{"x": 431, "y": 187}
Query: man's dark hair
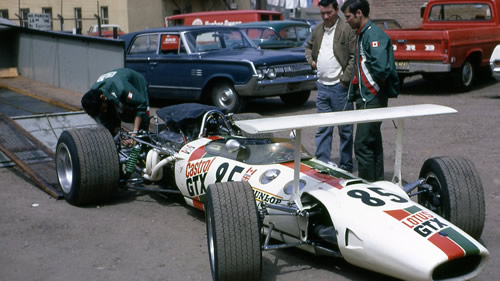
{"x": 325, "y": 3}
{"x": 91, "y": 102}
{"x": 354, "y": 5}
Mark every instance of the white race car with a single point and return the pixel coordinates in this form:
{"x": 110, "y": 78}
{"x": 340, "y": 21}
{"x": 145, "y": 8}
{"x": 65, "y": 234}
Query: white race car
{"x": 262, "y": 193}
{"x": 495, "y": 62}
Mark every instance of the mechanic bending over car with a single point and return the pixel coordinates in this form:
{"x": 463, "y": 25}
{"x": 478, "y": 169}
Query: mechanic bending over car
{"x": 330, "y": 50}
{"x": 119, "y": 95}
{"x": 375, "y": 80}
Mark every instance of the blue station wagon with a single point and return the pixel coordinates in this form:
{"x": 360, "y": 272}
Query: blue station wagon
{"x": 216, "y": 64}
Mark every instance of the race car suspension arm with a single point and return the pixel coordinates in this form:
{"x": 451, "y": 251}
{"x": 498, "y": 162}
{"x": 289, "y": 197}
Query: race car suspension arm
{"x": 320, "y": 249}
{"x": 409, "y": 187}
{"x": 268, "y": 247}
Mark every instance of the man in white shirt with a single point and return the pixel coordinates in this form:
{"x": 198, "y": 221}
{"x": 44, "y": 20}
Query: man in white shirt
{"x": 330, "y": 50}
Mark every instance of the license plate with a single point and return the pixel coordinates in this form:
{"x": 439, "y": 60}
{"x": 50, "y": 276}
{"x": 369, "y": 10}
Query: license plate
{"x": 402, "y": 65}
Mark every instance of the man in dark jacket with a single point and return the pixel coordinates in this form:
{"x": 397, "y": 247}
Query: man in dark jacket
{"x": 375, "y": 80}
{"x": 119, "y": 95}
{"x": 331, "y": 51}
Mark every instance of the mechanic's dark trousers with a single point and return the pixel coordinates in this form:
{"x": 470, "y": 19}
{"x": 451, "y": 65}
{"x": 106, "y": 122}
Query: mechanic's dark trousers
{"x": 368, "y": 146}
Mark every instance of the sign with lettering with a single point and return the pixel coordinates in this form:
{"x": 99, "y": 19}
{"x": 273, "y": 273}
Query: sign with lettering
{"x": 39, "y": 21}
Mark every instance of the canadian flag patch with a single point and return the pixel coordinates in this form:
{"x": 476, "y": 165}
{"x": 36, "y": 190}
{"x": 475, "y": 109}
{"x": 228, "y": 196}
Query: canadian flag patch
{"x": 374, "y": 44}
{"x": 130, "y": 95}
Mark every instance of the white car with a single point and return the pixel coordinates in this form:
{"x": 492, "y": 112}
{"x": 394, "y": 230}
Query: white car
{"x": 495, "y": 62}
{"x": 106, "y": 30}
{"x": 254, "y": 187}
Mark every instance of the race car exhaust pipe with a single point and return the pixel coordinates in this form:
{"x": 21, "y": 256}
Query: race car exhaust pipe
{"x": 154, "y": 171}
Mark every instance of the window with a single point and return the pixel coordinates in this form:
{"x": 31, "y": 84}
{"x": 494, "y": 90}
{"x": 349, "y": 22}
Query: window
{"x": 460, "y": 12}
{"x": 48, "y": 11}
{"x": 104, "y": 15}
{"x": 78, "y": 19}
{"x": 288, "y": 33}
{"x": 24, "y": 17}
{"x": 4, "y": 14}
{"x": 146, "y": 44}
{"x": 303, "y": 32}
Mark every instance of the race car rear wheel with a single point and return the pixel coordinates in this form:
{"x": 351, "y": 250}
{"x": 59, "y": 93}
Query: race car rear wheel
{"x": 457, "y": 192}
{"x": 233, "y": 232}
{"x": 87, "y": 165}
{"x": 249, "y": 116}
{"x": 296, "y": 99}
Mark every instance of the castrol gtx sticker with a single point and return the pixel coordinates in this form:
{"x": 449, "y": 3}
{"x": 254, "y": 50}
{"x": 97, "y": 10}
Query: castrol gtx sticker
{"x": 435, "y": 230}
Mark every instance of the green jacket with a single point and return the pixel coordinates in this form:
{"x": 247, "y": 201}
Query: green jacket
{"x": 374, "y": 63}
{"x": 126, "y": 89}
{"x": 343, "y": 47}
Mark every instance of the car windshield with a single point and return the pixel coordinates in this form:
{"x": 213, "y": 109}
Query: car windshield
{"x": 213, "y": 40}
{"x": 256, "y": 151}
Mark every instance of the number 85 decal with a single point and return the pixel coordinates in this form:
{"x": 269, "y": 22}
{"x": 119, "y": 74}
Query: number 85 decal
{"x": 373, "y": 201}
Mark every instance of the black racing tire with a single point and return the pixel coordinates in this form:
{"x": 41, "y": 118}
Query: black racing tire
{"x": 233, "y": 232}
{"x": 296, "y": 99}
{"x": 249, "y": 116}
{"x": 225, "y": 97}
{"x": 464, "y": 77}
{"x": 87, "y": 165}
{"x": 457, "y": 192}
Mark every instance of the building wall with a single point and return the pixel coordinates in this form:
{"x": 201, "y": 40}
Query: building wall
{"x": 66, "y": 8}
{"x": 406, "y": 12}
{"x": 133, "y": 15}
{"x": 150, "y": 15}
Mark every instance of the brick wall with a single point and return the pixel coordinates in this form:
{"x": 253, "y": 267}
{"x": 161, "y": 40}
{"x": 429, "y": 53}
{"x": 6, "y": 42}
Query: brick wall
{"x": 406, "y": 12}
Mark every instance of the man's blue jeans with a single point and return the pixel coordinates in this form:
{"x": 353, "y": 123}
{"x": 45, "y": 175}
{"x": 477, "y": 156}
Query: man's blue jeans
{"x": 329, "y": 99}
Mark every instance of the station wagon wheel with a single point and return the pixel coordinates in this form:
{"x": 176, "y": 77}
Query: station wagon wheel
{"x": 225, "y": 97}
{"x": 456, "y": 192}
{"x": 296, "y": 99}
{"x": 87, "y": 165}
{"x": 233, "y": 232}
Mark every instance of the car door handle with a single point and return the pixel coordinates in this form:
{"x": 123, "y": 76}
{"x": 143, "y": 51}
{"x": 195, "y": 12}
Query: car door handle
{"x": 153, "y": 63}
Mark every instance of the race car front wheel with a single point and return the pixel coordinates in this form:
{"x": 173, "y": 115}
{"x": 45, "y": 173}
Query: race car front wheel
{"x": 87, "y": 165}
{"x": 233, "y": 232}
{"x": 457, "y": 192}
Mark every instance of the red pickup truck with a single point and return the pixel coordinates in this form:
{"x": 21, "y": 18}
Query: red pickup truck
{"x": 456, "y": 37}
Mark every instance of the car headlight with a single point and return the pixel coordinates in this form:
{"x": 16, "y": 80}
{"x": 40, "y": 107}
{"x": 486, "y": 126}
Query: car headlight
{"x": 260, "y": 74}
{"x": 270, "y": 73}
{"x": 269, "y": 175}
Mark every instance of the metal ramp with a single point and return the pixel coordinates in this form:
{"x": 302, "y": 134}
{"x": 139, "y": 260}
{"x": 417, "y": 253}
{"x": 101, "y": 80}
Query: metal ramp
{"x": 30, "y": 142}
{"x": 33, "y": 157}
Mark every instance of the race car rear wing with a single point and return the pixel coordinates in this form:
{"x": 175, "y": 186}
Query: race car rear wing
{"x": 298, "y": 122}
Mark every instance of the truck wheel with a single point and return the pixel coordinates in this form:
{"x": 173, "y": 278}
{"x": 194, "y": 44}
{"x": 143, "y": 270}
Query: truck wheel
{"x": 296, "y": 99}
{"x": 233, "y": 232}
{"x": 249, "y": 116}
{"x": 464, "y": 76}
{"x": 225, "y": 97}
{"x": 87, "y": 165}
{"x": 457, "y": 193}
